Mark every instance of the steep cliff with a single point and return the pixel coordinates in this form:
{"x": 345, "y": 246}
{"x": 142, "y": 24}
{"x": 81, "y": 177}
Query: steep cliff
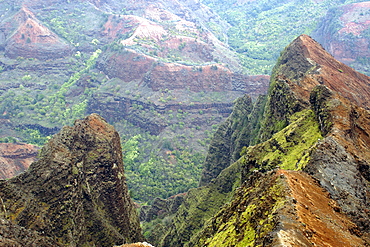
{"x": 76, "y": 192}
{"x": 317, "y": 125}
{"x": 239, "y": 130}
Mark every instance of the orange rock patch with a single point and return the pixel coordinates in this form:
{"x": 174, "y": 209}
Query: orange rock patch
{"x": 324, "y": 224}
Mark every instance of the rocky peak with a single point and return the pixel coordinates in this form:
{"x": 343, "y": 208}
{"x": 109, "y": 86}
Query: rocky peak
{"x": 306, "y": 64}
{"x": 303, "y": 65}
{"x": 76, "y": 192}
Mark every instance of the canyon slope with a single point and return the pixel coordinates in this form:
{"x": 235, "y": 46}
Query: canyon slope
{"x": 164, "y": 73}
{"x": 74, "y": 195}
{"x": 305, "y": 182}
{"x": 344, "y": 32}
{"x": 152, "y": 69}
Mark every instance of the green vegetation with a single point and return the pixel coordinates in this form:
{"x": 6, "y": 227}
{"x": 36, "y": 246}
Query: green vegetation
{"x": 248, "y": 218}
{"x": 261, "y": 29}
{"x": 154, "y": 173}
{"x": 48, "y": 107}
{"x": 288, "y": 149}
{"x": 33, "y": 136}
{"x": 8, "y": 139}
{"x": 199, "y": 206}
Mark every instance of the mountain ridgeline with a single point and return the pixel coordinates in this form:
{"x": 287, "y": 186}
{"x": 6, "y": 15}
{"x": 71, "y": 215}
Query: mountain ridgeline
{"x": 304, "y": 181}
{"x": 290, "y": 168}
{"x": 288, "y": 154}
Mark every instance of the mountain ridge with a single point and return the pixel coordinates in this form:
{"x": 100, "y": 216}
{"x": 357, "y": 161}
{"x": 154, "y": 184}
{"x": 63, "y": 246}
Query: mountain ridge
{"x": 319, "y": 134}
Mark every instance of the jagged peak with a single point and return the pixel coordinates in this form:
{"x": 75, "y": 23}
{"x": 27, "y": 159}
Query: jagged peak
{"x": 306, "y": 64}
{"x": 79, "y": 183}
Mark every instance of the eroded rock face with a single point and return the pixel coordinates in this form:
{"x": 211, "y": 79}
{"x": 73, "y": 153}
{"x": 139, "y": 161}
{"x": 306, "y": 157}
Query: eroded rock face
{"x": 279, "y": 208}
{"x": 344, "y": 32}
{"x": 76, "y": 192}
{"x": 231, "y": 136}
{"x": 17, "y": 236}
{"x": 319, "y": 126}
{"x": 130, "y": 65}
{"x": 27, "y": 37}
{"x": 16, "y": 158}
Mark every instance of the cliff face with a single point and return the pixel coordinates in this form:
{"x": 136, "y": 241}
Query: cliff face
{"x": 344, "y": 32}
{"x": 239, "y": 130}
{"x": 318, "y": 126}
{"x": 16, "y": 158}
{"x": 76, "y": 192}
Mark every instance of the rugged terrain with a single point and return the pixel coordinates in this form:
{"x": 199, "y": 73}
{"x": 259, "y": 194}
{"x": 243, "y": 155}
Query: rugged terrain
{"x": 164, "y": 73}
{"x": 152, "y": 69}
{"x": 304, "y": 182}
{"x": 344, "y": 32}
{"x": 74, "y": 195}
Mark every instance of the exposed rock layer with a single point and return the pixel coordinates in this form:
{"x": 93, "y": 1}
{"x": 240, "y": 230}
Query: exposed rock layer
{"x": 31, "y": 39}
{"x": 16, "y": 158}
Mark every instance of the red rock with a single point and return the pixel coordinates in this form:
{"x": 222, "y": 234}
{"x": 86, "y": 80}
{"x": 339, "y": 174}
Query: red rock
{"x": 31, "y": 39}
{"x": 16, "y": 158}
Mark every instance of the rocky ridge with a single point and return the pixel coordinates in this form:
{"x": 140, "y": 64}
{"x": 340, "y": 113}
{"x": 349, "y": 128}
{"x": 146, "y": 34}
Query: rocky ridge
{"x": 76, "y": 193}
{"x": 315, "y": 125}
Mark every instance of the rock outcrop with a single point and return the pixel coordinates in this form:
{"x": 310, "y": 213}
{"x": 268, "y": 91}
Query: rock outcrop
{"x": 303, "y": 65}
{"x": 16, "y": 158}
{"x": 76, "y": 192}
{"x": 279, "y": 208}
